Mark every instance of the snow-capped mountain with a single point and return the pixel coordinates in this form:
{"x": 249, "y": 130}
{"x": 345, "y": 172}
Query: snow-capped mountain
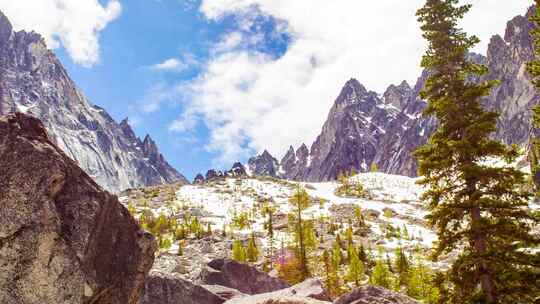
{"x": 33, "y": 81}
{"x": 365, "y": 128}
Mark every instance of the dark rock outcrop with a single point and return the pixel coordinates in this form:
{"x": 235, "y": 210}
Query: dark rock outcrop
{"x": 161, "y": 288}
{"x": 374, "y": 295}
{"x": 246, "y": 279}
{"x": 33, "y": 81}
{"x": 213, "y": 174}
{"x": 309, "y": 291}
{"x": 199, "y": 179}
{"x": 62, "y": 238}
{"x": 237, "y": 170}
{"x": 263, "y": 165}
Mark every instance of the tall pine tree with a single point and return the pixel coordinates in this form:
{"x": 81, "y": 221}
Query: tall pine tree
{"x": 477, "y": 208}
{"x": 300, "y": 201}
{"x": 533, "y": 68}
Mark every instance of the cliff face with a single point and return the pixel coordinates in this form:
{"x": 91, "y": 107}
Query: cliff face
{"x": 33, "y": 81}
{"x": 364, "y": 128}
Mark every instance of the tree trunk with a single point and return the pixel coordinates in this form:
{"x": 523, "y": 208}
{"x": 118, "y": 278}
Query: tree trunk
{"x": 479, "y": 246}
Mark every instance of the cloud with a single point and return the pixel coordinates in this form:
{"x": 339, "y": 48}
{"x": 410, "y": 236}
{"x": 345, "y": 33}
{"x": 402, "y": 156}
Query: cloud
{"x": 171, "y": 64}
{"x": 252, "y": 100}
{"x": 158, "y": 94}
{"x": 74, "y": 24}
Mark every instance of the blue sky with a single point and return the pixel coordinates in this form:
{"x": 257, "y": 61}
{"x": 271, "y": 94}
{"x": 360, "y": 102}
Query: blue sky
{"x": 146, "y": 33}
{"x": 216, "y": 81}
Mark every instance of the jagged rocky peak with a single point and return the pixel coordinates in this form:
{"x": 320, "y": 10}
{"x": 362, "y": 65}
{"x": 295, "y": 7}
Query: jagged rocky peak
{"x": 126, "y": 128}
{"x": 302, "y": 154}
{"x": 518, "y": 29}
{"x": 213, "y": 174}
{"x": 352, "y": 92}
{"x": 5, "y": 28}
{"x": 34, "y": 82}
{"x": 263, "y": 165}
{"x": 398, "y": 96}
{"x": 150, "y": 148}
{"x": 237, "y": 170}
{"x": 199, "y": 179}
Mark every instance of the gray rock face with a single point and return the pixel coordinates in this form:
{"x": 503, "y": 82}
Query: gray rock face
{"x": 237, "y": 170}
{"x": 33, "y": 81}
{"x": 263, "y": 165}
{"x": 374, "y": 295}
{"x": 162, "y": 288}
{"x": 62, "y": 238}
{"x": 246, "y": 279}
{"x": 363, "y": 128}
{"x": 309, "y": 291}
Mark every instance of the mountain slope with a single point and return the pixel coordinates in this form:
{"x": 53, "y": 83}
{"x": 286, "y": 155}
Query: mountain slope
{"x": 33, "y": 81}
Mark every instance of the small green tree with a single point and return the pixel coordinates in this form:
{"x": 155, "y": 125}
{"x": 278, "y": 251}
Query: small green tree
{"x": 252, "y": 252}
{"x": 238, "y": 251}
{"x": 381, "y": 275}
{"x": 402, "y": 267}
{"x": 269, "y": 212}
{"x": 331, "y": 281}
{"x": 422, "y": 283}
{"x": 356, "y": 269}
{"x": 336, "y": 256}
{"x": 300, "y": 202}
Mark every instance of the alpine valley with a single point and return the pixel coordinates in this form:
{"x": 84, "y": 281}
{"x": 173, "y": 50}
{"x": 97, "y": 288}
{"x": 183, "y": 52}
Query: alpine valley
{"x": 90, "y": 213}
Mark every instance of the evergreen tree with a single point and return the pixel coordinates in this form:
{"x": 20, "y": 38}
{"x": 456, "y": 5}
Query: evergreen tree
{"x": 300, "y": 202}
{"x": 362, "y": 255}
{"x": 381, "y": 275}
{"x": 422, "y": 283}
{"x": 533, "y": 68}
{"x": 269, "y": 211}
{"x": 331, "y": 281}
{"x": 336, "y": 256}
{"x": 359, "y": 217}
{"x": 349, "y": 234}
{"x": 209, "y": 229}
{"x": 238, "y": 251}
{"x": 252, "y": 252}
{"x": 475, "y": 206}
{"x": 356, "y": 269}
{"x": 402, "y": 267}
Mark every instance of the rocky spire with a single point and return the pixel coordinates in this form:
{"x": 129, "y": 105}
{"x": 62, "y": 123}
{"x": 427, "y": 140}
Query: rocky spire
{"x": 6, "y": 29}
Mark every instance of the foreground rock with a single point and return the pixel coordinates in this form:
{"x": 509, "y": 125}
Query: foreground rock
{"x": 309, "y": 291}
{"x": 62, "y": 238}
{"x": 161, "y": 288}
{"x": 374, "y": 295}
{"x": 246, "y": 279}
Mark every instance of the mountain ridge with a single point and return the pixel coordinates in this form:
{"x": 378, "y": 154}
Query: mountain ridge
{"x": 363, "y": 128}
{"x": 33, "y": 81}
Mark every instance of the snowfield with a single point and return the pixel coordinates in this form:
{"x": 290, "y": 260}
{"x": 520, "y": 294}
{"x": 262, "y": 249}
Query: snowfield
{"x": 221, "y": 199}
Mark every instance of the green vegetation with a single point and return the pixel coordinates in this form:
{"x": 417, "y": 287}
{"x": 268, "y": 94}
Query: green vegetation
{"x": 533, "y": 68}
{"x": 303, "y": 231}
{"x": 349, "y": 187}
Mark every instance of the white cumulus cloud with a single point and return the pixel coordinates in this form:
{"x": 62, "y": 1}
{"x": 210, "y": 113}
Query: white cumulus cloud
{"x": 74, "y": 24}
{"x": 171, "y": 64}
{"x": 252, "y": 101}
